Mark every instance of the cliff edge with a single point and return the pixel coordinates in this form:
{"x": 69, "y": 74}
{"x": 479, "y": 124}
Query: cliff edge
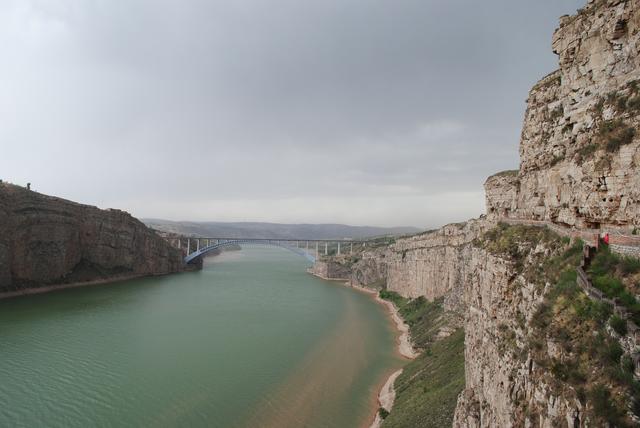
{"x": 579, "y": 150}
{"x": 539, "y": 349}
{"x": 48, "y": 241}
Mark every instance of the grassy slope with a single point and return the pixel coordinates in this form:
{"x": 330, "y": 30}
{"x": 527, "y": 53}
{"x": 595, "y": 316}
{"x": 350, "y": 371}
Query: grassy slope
{"x": 428, "y": 388}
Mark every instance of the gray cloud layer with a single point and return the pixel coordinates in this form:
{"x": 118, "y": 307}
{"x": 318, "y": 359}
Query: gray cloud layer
{"x": 376, "y": 112}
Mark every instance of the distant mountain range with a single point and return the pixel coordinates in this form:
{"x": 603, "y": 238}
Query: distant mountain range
{"x": 275, "y": 230}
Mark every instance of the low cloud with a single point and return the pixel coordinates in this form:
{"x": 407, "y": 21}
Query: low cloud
{"x": 382, "y": 113}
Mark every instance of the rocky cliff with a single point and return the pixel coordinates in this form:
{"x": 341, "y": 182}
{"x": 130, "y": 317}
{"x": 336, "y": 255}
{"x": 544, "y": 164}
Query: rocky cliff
{"x": 579, "y": 169}
{"x": 538, "y": 351}
{"x": 503, "y": 385}
{"x": 48, "y": 241}
{"x": 432, "y": 264}
{"x": 579, "y": 152}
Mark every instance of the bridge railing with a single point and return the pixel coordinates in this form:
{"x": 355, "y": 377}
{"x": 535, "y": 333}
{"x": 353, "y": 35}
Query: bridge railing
{"x": 201, "y": 251}
{"x": 190, "y": 245}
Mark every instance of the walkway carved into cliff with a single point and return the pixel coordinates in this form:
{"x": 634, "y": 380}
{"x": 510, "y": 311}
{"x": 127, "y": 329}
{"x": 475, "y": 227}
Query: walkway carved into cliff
{"x": 618, "y": 242}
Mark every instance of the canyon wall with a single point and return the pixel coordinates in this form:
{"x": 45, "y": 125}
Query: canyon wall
{"x": 579, "y": 171}
{"x": 431, "y": 264}
{"x": 503, "y": 385}
{"x": 580, "y": 152}
{"x": 48, "y": 241}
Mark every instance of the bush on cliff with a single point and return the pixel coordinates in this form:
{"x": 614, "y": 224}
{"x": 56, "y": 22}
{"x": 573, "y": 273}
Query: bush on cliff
{"x": 567, "y": 337}
{"x": 614, "y": 275}
{"x": 618, "y": 325}
{"x": 519, "y": 243}
{"x": 589, "y": 355}
{"x": 615, "y": 134}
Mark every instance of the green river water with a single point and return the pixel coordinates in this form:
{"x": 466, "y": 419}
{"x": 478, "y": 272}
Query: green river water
{"x": 252, "y": 340}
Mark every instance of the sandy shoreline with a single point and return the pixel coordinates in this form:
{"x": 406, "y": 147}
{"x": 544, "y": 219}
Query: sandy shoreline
{"x": 387, "y": 393}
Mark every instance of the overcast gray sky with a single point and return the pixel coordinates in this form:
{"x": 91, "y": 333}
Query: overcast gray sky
{"x": 378, "y": 112}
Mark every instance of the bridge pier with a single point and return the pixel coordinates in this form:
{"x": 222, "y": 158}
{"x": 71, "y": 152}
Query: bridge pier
{"x": 338, "y": 248}
{"x": 326, "y": 248}
{"x": 188, "y": 246}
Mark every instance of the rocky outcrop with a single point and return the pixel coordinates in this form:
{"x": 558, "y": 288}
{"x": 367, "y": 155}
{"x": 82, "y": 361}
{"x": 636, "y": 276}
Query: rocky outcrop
{"x": 330, "y": 269}
{"x": 434, "y": 264}
{"x": 371, "y": 270}
{"x": 47, "y": 241}
{"x": 579, "y": 153}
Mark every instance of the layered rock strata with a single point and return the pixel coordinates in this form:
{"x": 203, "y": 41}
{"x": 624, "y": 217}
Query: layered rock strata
{"x": 579, "y": 172}
{"x": 580, "y": 152}
{"x": 47, "y": 241}
{"x": 431, "y": 265}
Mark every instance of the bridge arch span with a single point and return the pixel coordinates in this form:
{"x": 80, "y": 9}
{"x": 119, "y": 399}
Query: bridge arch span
{"x": 189, "y": 258}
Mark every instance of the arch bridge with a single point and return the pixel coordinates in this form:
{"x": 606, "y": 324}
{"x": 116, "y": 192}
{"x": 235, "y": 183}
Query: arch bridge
{"x": 196, "y": 247}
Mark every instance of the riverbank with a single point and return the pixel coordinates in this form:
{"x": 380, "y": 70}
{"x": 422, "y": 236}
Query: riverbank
{"x": 58, "y": 287}
{"x": 386, "y": 395}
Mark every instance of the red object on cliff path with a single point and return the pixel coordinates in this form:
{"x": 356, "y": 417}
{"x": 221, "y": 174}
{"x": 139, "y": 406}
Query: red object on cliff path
{"x": 606, "y": 238}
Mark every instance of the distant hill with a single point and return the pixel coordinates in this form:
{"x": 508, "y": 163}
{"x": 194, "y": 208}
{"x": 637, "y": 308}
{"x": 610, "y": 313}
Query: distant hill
{"x": 275, "y": 230}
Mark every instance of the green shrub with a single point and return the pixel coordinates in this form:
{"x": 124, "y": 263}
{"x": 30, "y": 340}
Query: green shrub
{"x": 605, "y": 270}
{"x": 612, "y": 287}
{"x": 622, "y": 138}
{"x": 392, "y": 296}
{"x": 542, "y": 317}
{"x": 627, "y": 299}
{"x": 603, "y": 406}
{"x": 616, "y": 133}
{"x": 557, "y": 113}
{"x": 568, "y": 371}
{"x": 587, "y": 309}
{"x": 618, "y": 325}
{"x": 383, "y": 413}
{"x": 627, "y": 364}
{"x": 613, "y": 351}
{"x": 630, "y": 265}
{"x": 586, "y": 152}
{"x": 634, "y": 103}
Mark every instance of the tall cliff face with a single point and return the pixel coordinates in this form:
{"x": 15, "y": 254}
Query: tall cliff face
{"x": 47, "y": 241}
{"x": 580, "y": 167}
{"x": 432, "y": 265}
{"x": 580, "y": 154}
{"x": 503, "y": 385}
